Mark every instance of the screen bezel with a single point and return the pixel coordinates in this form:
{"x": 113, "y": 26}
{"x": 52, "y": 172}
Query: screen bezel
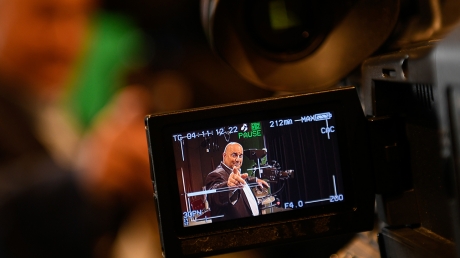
{"x": 351, "y": 138}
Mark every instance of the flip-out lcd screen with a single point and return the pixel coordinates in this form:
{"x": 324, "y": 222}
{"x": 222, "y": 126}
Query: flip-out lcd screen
{"x": 255, "y": 168}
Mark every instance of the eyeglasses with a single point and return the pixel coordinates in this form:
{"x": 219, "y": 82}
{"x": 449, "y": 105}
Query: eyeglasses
{"x": 235, "y": 155}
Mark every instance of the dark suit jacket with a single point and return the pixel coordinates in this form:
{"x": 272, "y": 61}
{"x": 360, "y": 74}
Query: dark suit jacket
{"x": 221, "y": 203}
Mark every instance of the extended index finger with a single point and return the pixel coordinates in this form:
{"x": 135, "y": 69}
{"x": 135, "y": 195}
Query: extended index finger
{"x": 236, "y": 171}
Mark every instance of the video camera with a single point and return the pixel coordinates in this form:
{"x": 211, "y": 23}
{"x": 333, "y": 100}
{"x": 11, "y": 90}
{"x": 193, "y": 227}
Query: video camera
{"x": 392, "y": 140}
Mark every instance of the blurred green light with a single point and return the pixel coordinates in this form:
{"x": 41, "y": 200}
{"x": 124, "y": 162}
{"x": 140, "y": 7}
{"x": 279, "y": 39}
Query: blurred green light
{"x": 280, "y": 17}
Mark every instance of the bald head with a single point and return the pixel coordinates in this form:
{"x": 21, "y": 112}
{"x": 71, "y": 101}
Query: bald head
{"x": 233, "y": 155}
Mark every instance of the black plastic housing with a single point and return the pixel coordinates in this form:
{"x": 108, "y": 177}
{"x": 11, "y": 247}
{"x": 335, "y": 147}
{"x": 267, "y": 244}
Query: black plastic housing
{"x": 410, "y": 97}
{"x": 353, "y": 215}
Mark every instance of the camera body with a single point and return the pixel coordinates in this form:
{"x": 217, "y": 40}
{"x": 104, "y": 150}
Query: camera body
{"x": 402, "y": 153}
{"x": 408, "y": 96}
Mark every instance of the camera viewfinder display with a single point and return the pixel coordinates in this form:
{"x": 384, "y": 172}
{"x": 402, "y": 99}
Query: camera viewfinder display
{"x": 255, "y": 168}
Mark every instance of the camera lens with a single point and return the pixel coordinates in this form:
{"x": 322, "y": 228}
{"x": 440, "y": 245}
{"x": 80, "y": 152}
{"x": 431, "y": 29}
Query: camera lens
{"x": 294, "y": 45}
{"x": 288, "y": 27}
